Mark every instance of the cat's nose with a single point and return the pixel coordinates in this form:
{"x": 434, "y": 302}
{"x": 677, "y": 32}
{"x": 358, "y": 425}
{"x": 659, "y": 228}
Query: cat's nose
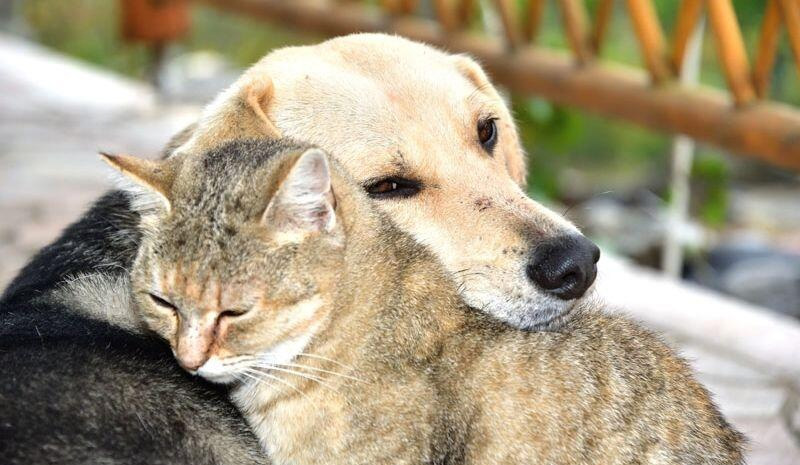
{"x": 198, "y": 335}
{"x": 195, "y": 338}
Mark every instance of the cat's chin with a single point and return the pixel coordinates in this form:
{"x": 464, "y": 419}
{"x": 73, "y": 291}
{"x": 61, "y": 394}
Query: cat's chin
{"x": 217, "y": 371}
{"x": 238, "y": 369}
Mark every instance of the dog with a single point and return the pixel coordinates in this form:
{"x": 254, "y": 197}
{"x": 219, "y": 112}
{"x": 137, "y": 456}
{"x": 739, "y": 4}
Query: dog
{"x": 423, "y": 132}
{"x": 430, "y": 139}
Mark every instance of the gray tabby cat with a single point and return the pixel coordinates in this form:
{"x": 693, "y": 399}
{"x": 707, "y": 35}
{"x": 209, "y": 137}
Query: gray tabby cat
{"x": 77, "y": 389}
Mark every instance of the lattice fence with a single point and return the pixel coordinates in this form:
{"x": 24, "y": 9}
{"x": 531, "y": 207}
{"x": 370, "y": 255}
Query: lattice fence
{"x": 739, "y": 118}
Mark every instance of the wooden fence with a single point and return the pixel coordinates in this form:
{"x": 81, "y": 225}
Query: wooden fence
{"x": 739, "y": 118}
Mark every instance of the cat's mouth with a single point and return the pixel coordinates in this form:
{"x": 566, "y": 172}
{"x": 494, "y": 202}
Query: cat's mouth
{"x": 223, "y": 371}
{"x": 241, "y": 368}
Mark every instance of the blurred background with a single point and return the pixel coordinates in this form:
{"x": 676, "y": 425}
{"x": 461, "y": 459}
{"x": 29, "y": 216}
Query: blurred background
{"x": 703, "y": 234}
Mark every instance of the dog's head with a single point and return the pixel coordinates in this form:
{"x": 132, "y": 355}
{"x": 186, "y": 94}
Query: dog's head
{"x": 432, "y": 142}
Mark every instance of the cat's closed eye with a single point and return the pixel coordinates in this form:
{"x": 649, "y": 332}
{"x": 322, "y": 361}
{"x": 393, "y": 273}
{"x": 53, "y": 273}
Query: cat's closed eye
{"x": 162, "y": 302}
{"x": 233, "y": 312}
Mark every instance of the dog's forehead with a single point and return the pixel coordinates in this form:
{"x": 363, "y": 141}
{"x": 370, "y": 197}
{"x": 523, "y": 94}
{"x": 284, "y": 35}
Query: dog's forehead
{"x": 380, "y": 55}
{"x": 379, "y": 96}
{"x": 370, "y": 77}
{"x": 371, "y": 99}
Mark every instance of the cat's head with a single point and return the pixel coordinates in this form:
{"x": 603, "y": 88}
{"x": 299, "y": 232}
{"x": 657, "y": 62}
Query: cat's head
{"x": 241, "y": 251}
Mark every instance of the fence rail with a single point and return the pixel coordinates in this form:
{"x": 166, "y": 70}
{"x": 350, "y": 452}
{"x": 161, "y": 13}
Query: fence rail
{"x": 740, "y": 119}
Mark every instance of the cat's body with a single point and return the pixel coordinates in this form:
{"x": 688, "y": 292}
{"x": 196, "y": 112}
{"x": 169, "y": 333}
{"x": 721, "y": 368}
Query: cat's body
{"x": 76, "y": 391}
{"x": 347, "y": 343}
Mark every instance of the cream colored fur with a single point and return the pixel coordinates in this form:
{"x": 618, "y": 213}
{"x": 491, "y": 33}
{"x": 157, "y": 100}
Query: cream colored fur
{"x": 383, "y": 105}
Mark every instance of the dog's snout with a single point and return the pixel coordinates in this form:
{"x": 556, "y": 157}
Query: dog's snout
{"x": 565, "y": 266}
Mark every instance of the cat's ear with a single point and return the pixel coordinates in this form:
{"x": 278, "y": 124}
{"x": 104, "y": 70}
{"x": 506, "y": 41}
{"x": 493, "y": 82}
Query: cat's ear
{"x": 304, "y": 203}
{"x": 150, "y": 179}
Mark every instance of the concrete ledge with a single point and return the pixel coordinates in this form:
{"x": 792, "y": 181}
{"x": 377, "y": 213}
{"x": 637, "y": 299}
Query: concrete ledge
{"x": 44, "y": 78}
{"x": 767, "y": 340}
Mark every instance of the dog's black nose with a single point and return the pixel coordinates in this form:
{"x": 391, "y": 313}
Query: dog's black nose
{"x": 564, "y": 266}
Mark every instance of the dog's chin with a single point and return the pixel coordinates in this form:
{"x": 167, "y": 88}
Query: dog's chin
{"x": 534, "y": 312}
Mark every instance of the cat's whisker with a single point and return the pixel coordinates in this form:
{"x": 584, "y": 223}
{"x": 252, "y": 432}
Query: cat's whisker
{"x": 468, "y": 272}
{"x": 259, "y": 379}
{"x": 238, "y": 359}
{"x": 285, "y": 370}
{"x": 472, "y": 275}
{"x": 257, "y": 374}
{"x": 251, "y": 393}
{"x": 239, "y": 378}
{"x": 301, "y": 375}
{"x": 320, "y": 357}
{"x": 254, "y": 378}
{"x": 295, "y": 365}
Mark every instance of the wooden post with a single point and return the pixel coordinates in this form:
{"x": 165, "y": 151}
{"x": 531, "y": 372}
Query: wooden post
{"x": 506, "y": 10}
{"x": 791, "y": 18}
{"x": 730, "y": 47}
{"x": 446, "y": 14}
{"x": 534, "y": 19}
{"x": 688, "y": 14}
{"x": 767, "y": 47}
{"x": 605, "y": 9}
{"x": 465, "y": 9}
{"x": 575, "y": 23}
{"x": 651, "y": 38}
{"x": 156, "y": 23}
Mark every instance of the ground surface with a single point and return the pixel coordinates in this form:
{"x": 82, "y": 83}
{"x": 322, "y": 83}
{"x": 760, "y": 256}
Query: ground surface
{"x": 55, "y": 115}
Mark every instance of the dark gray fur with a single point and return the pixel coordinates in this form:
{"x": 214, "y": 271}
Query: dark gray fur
{"x": 79, "y": 391}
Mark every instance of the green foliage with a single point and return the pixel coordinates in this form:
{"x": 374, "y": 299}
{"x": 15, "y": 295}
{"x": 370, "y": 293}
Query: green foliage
{"x": 710, "y": 175}
{"x": 241, "y": 40}
{"x": 607, "y": 152}
{"x": 85, "y": 29}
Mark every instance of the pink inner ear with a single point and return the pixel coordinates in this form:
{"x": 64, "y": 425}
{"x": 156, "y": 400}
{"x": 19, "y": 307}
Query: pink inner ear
{"x": 303, "y": 202}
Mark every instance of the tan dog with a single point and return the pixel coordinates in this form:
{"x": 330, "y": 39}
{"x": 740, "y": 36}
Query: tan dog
{"x": 428, "y": 136}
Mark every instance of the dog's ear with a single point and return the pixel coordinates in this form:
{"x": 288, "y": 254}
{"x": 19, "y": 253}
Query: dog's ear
{"x": 304, "y": 203}
{"x": 257, "y": 93}
{"x": 150, "y": 180}
{"x": 470, "y": 69}
{"x": 237, "y": 113}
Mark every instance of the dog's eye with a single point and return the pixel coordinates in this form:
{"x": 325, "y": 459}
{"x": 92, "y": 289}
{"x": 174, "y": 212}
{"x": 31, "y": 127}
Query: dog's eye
{"x": 161, "y": 302}
{"x": 487, "y": 133}
{"x": 393, "y": 187}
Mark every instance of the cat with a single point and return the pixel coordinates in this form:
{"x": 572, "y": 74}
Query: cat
{"x": 345, "y": 342}
{"x": 81, "y": 380}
